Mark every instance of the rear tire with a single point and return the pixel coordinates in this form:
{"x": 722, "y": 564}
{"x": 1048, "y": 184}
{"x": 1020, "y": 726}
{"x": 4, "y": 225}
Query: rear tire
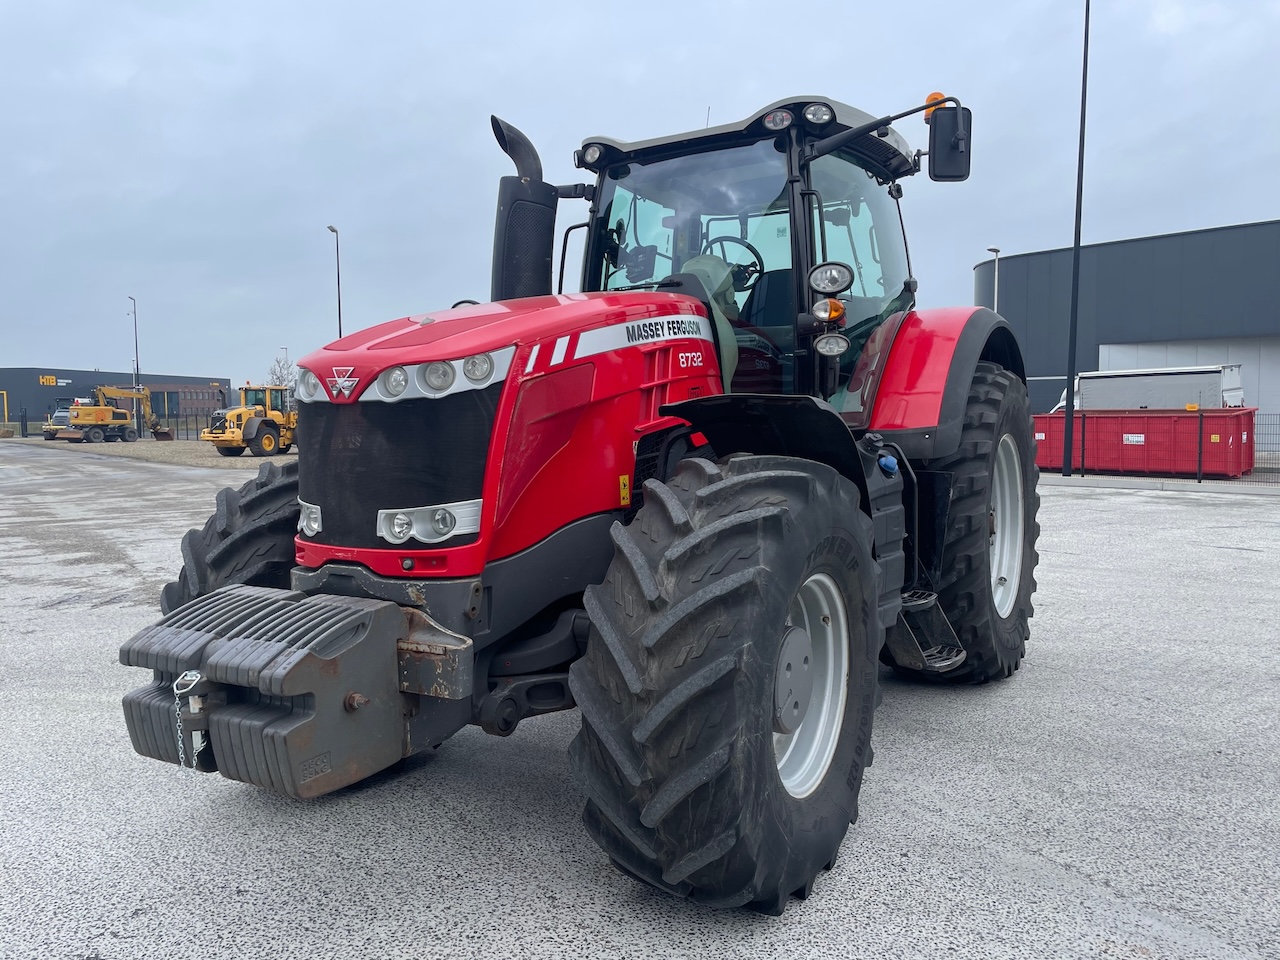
{"x": 230, "y": 451}
{"x": 285, "y": 447}
{"x": 687, "y": 787}
{"x": 266, "y": 442}
{"x": 995, "y": 467}
{"x": 130, "y": 435}
{"x": 249, "y": 539}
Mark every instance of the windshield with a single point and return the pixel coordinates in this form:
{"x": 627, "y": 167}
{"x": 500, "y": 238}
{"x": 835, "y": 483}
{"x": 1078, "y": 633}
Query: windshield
{"x": 658, "y": 216}
{"x": 255, "y": 398}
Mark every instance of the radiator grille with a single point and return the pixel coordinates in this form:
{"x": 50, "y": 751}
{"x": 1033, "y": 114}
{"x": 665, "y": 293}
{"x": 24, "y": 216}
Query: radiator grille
{"x": 358, "y": 458}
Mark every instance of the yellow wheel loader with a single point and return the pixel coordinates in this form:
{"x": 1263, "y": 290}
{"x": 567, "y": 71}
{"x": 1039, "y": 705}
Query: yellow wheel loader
{"x": 103, "y": 420}
{"x": 264, "y": 423}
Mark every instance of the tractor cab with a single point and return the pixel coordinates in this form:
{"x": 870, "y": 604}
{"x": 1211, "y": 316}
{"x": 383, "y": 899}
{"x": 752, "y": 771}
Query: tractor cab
{"x": 747, "y": 218}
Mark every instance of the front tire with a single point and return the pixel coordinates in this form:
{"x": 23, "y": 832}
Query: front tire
{"x": 249, "y": 539}
{"x": 95, "y": 435}
{"x": 266, "y": 442}
{"x": 989, "y": 559}
{"x": 692, "y": 783}
{"x": 230, "y": 451}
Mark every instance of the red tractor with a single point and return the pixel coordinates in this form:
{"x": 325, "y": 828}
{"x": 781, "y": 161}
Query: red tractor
{"x": 703, "y": 501}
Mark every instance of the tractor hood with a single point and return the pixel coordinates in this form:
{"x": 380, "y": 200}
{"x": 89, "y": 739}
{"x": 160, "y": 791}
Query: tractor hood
{"x": 479, "y": 328}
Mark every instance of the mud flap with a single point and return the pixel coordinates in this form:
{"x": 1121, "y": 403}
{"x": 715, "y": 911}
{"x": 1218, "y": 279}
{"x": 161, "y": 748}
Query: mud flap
{"x": 300, "y": 695}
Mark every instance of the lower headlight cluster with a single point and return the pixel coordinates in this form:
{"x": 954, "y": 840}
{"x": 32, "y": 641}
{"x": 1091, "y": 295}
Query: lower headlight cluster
{"x": 429, "y": 524}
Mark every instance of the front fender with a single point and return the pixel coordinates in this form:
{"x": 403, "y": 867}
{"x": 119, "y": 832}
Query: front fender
{"x": 251, "y": 428}
{"x": 788, "y": 426}
{"x": 924, "y": 389}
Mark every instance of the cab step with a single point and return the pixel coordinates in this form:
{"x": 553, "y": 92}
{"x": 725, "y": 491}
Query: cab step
{"x": 922, "y": 639}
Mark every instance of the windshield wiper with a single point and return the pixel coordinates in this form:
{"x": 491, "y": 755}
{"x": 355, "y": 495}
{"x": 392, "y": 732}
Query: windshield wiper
{"x": 644, "y": 286}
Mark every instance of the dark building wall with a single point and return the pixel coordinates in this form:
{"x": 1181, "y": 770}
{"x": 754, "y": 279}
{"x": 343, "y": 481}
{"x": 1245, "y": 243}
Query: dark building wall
{"x": 30, "y": 387}
{"x": 1205, "y": 284}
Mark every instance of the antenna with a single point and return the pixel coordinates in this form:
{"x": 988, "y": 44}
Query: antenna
{"x": 708, "y": 115}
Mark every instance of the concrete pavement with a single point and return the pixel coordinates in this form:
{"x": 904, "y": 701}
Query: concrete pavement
{"x": 1117, "y": 799}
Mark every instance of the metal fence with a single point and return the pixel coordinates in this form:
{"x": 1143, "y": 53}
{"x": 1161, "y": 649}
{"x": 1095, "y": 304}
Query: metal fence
{"x": 1219, "y": 446}
{"x": 185, "y": 428}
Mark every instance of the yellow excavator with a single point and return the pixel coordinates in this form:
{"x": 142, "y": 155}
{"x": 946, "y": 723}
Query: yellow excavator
{"x": 104, "y": 420}
{"x": 264, "y": 423}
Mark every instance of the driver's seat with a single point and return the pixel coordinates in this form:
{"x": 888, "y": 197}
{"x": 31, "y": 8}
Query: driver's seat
{"x": 717, "y": 277}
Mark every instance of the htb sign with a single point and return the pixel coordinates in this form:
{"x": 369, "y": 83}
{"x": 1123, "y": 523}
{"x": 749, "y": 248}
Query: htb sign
{"x": 48, "y": 380}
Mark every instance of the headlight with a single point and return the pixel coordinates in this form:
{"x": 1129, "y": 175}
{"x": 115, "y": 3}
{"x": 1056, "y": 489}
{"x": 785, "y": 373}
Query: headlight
{"x": 394, "y": 381}
{"x": 778, "y": 120}
{"x": 442, "y": 521}
{"x": 309, "y": 519}
{"x": 831, "y": 344}
{"x": 830, "y": 278}
{"x": 478, "y": 368}
{"x": 401, "y": 526}
{"x": 308, "y": 383}
{"x": 819, "y": 113}
{"x": 591, "y": 153}
{"x": 439, "y": 376}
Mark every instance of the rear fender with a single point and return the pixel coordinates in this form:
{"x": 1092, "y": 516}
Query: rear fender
{"x": 923, "y": 392}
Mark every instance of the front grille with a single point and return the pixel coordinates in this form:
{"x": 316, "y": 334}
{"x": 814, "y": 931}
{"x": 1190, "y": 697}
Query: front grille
{"x": 218, "y": 422}
{"x": 358, "y": 458}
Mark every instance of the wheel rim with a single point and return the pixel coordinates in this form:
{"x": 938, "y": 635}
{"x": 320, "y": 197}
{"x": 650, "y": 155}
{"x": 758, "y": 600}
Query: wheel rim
{"x": 804, "y": 756}
{"x": 268, "y": 442}
{"x": 1008, "y": 516}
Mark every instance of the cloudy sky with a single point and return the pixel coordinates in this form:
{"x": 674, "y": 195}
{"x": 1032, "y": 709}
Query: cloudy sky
{"x": 190, "y": 154}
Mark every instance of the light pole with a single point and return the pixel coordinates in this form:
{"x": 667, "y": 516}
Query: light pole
{"x": 337, "y": 264}
{"x": 995, "y": 290}
{"x": 137, "y": 366}
{"x": 137, "y": 372}
{"x": 1068, "y": 431}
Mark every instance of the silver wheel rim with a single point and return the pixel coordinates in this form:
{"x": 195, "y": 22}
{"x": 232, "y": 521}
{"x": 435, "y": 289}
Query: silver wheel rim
{"x": 1004, "y": 544}
{"x": 804, "y": 757}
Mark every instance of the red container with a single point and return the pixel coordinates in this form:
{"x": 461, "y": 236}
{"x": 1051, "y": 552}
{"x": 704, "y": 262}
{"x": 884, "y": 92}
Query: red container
{"x": 1177, "y": 443}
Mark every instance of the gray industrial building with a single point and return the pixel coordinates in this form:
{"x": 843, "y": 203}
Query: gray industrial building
{"x": 36, "y": 389}
{"x": 1200, "y": 297}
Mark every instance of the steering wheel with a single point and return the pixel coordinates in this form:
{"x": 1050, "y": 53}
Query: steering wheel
{"x": 745, "y": 275}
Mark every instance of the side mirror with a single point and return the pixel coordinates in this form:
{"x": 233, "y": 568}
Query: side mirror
{"x": 950, "y": 135}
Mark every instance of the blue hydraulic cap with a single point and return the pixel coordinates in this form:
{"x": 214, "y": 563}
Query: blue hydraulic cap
{"x": 889, "y": 464}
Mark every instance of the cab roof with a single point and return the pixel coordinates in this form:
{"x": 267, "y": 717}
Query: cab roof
{"x": 888, "y": 157}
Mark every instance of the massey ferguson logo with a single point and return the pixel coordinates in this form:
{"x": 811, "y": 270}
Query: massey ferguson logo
{"x": 342, "y": 382}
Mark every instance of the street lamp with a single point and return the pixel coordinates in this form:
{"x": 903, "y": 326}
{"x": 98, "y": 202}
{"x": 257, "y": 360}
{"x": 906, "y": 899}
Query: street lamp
{"x": 1068, "y": 425}
{"x": 995, "y": 290}
{"x": 137, "y": 371}
{"x": 337, "y": 264}
{"x": 137, "y": 367}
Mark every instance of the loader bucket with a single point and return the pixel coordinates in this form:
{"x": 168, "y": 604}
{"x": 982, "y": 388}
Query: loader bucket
{"x": 162, "y": 433}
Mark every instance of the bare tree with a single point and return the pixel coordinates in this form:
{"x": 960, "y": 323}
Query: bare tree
{"x": 282, "y": 373}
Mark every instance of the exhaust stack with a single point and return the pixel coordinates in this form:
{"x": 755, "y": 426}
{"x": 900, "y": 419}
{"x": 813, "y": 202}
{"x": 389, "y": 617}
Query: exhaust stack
{"x": 525, "y": 226}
